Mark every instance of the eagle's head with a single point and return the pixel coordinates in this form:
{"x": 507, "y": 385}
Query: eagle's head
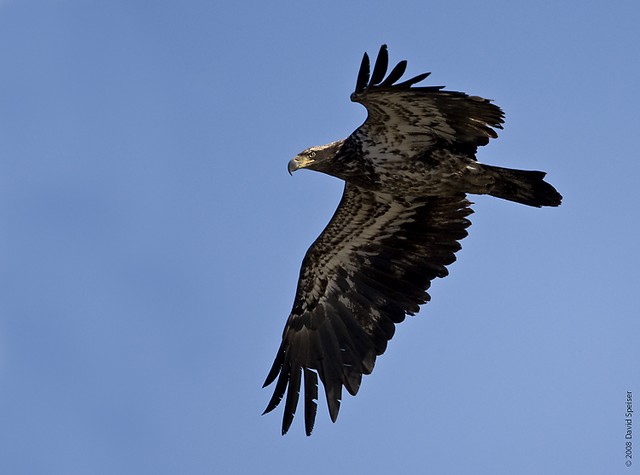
{"x": 316, "y": 158}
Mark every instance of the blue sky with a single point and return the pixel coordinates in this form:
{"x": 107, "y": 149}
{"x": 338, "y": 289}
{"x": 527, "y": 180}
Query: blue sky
{"x": 151, "y": 238}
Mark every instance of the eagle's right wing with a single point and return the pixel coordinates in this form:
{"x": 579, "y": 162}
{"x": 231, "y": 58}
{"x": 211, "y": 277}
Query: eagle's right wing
{"x": 369, "y": 268}
{"x": 409, "y": 121}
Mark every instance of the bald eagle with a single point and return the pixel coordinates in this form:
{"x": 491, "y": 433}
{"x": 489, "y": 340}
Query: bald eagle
{"x": 407, "y": 170}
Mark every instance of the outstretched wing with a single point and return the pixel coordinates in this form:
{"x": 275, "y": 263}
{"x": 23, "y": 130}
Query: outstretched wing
{"x": 409, "y": 121}
{"x": 369, "y": 268}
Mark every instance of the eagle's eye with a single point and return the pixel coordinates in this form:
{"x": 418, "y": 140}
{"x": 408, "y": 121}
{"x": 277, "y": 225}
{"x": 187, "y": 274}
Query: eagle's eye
{"x": 312, "y": 154}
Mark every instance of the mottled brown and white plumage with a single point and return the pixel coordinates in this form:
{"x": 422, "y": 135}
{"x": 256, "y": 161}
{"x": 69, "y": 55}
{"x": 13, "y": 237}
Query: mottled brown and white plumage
{"x": 407, "y": 170}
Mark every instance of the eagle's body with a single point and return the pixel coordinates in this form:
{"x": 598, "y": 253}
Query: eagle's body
{"x": 407, "y": 170}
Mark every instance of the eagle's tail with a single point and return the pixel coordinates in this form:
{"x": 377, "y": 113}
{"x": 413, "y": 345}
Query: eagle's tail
{"x": 523, "y": 186}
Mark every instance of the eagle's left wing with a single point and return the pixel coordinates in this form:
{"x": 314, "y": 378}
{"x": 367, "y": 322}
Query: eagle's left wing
{"x": 407, "y": 121}
{"x": 369, "y": 268}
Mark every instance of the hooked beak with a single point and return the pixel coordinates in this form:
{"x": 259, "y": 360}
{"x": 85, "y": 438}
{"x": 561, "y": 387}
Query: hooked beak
{"x": 298, "y": 162}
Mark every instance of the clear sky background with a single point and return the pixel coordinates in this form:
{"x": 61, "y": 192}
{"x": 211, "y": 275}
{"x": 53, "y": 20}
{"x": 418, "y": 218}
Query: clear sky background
{"x": 151, "y": 238}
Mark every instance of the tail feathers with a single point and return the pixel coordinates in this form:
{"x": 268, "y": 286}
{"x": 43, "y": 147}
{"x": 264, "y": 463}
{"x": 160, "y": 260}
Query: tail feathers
{"x": 523, "y": 186}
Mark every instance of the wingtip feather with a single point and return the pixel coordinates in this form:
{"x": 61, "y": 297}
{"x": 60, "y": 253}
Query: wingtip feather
{"x": 278, "y": 392}
{"x": 380, "y": 68}
{"x": 291, "y": 403}
{"x": 363, "y": 74}
{"x": 310, "y": 399}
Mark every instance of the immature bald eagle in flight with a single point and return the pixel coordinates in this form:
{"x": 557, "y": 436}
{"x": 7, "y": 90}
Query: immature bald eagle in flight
{"x": 407, "y": 171}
